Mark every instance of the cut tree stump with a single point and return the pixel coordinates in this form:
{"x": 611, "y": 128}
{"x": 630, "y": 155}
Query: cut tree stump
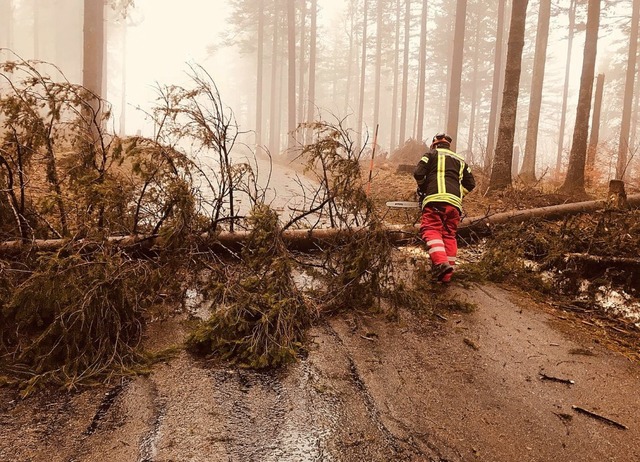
{"x": 617, "y": 198}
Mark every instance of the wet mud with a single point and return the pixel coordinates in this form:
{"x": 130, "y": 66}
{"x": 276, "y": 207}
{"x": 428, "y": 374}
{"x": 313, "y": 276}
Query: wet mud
{"x": 455, "y": 387}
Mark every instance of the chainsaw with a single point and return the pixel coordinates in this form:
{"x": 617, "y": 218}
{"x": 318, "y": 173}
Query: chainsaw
{"x": 403, "y": 204}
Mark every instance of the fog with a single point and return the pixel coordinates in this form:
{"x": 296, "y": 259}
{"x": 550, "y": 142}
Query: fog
{"x": 154, "y": 42}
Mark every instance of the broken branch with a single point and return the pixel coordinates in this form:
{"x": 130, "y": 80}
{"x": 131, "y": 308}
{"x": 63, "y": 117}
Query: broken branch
{"x": 599, "y": 417}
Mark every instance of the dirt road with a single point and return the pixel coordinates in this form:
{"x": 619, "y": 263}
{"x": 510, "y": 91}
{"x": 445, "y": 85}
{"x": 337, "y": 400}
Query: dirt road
{"x": 480, "y": 386}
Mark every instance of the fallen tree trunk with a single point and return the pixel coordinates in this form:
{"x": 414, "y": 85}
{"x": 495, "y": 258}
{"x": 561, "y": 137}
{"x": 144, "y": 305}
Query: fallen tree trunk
{"x": 309, "y": 239}
{"x": 482, "y": 225}
{"x": 601, "y": 260}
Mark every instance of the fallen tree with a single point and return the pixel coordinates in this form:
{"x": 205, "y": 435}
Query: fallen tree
{"x": 309, "y": 239}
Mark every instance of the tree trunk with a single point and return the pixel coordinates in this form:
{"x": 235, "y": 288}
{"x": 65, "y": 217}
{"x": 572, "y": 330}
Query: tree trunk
{"x": 312, "y": 239}
{"x": 617, "y": 197}
{"x": 6, "y": 27}
{"x": 453, "y": 112}
{"x": 376, "y": 101}
{"x": 311, "y": 99}
{"x": 501, "y": 169}
{"x": 396, "y": 78}
{"x": 404, "y": 106}
{"x": 302, "y": 61}
{"x": 495, "y": 91}
{"x": 422, "y": 73}
{"x": 515, "y": 162}
{"x": 274, "y": 136}
{"x": 259, "y": 74}
{"x": 474, "y": 96}
{"x": 565, "y": 91}
{"x": 595, "y": 122}
{"x": 363, "y": 75}
{"x": 528, "y": 172}
{"x": 93, "y": 43}
{"x": 574, "y": 182}
{"x": 291, "y": 81}
{"x": 350, "y": 63}
{"x": 624, "y": 148}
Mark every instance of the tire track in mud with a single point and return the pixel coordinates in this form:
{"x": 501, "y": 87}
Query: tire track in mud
{"x": 272, "y": 417}
{"x": 394, "y": 442}
{"x": 149, "y": 441}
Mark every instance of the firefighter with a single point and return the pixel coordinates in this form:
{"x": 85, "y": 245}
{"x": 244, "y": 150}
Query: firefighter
{"x": 443, "y": 179}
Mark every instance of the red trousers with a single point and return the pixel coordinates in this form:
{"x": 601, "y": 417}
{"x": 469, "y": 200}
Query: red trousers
{"x": 438, "y": 229}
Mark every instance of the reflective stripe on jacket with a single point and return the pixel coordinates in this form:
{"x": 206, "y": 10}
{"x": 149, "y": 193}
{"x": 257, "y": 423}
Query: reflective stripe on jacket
{"x": 443, "y": 176}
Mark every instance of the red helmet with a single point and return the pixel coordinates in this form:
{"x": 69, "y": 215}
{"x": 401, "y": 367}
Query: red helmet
{"x": 441, "y": 138}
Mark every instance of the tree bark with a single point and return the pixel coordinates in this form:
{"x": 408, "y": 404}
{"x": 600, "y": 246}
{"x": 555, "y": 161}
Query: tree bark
{"x": 274, "y": 136}
{"x": 501, "y": 169}
{"x": 301, "y": 61}
{"x": 422, "y": 72}
{"x": 378, "y": 72}
{"x": 404, "y": 106}
{"x": 93, "y": 43}
{"x": 311, "y": 99}
{"x": 495, "y": 91}
{"x": 311, "y": 239}
{"x": 595, "y": 122}
{"x": 528, "y": 172}
{"x": 624, "y": 147}
{"x": 363, "y": 75}
{"x": 565, "y": 91}
{"x": 291, "y": 81}
{"x": 574, "y": 181}
{"x": 396, "y": 78}
{"x": 453, "y": 112}
{"x": 259, "y": 74}
{"x": 474, "y": 96}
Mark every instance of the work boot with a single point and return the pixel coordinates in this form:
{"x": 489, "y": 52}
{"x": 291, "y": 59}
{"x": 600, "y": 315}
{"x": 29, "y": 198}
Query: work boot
{"x": 441, "y": 270}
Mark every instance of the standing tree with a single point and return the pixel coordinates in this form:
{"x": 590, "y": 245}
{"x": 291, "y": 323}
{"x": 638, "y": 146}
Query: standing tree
{"x": 93, "y": 48}
{"x": 501, "y": 169}
{"x": 528, "y": 172}
{"x": 302, "y": 60}
{"x": 595, "y": 122}
{"x": 396, "y": 77}
{"x": 259, "y": 73}
{"x": 379, "y": 31}
{"x": 405, "y": 73}
{"x": 624, "y": 146}
{"x": 422, "y": 71}
{"x": 291, "y": 82}
{"x": 574, "y": 182}
{"x": 456, "y": 71}
{"x": 565, "y": 91}
{"x": 6, "y": 24}
{"x": 495, "y": 91}
{"x": 363, "y": 74}
{"x": 312, "y": 65}
{"x": 274, "y": 136}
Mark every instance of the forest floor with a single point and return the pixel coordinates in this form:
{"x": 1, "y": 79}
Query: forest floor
{"x": 514, "y": 379}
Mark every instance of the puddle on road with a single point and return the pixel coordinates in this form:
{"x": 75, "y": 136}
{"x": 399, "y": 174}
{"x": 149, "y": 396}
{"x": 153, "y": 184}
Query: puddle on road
{"x": 196, "y": 305}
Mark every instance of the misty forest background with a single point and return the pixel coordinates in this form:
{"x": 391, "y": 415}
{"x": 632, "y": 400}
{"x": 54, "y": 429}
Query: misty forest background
{"x": 411, "y": 68}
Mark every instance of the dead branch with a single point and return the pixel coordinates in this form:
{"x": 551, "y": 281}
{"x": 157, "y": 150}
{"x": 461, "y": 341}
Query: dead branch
{"x": 599, "y": 417}
{"x": 551, "y": 378}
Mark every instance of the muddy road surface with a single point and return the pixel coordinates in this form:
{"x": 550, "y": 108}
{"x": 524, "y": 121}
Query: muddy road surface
{"x": 507, "y": 382}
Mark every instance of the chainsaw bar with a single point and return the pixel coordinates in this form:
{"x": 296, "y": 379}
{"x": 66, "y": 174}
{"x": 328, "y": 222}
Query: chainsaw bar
{"x": 403, "y": 204}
